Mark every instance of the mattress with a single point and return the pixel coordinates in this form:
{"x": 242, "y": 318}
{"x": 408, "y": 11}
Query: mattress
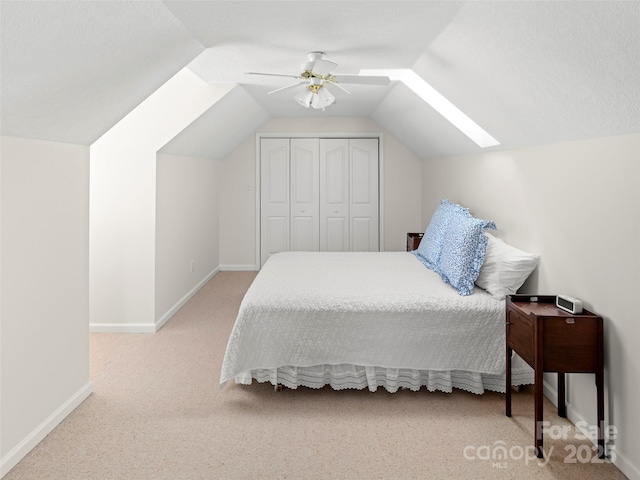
{"x": 384, "y": 313}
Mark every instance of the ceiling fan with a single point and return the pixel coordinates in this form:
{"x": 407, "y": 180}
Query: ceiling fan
{"x": 316, "y": 74}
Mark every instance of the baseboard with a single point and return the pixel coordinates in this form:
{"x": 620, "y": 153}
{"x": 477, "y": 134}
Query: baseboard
{"x": 627, "y": 467}
{"x": 172, "y": 311}
{"x": 12, "y": 458}
{"x": 151, "y": 327}
{"x": 623, "y": 463}
{"x": 122, "y": 328}
{"x": 550, "y": 391}
{"x": 238, "y": 268}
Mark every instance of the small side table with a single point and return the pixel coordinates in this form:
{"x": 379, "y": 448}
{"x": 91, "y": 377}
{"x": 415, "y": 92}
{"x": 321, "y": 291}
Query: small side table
{"x": 413, "y": 240}
{"x": 552, "y": 340}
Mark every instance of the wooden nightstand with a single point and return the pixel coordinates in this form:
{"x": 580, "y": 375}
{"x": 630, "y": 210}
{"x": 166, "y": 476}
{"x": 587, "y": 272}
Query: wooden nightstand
{"x": 413, "y": 240}
{"x": 552, "y": 340}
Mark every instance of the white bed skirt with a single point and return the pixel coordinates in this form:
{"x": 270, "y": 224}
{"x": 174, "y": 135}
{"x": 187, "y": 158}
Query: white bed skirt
{"x": 345, "y": 376}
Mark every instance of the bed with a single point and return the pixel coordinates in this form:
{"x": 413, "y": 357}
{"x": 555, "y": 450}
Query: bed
{"x": 367, "y": 320}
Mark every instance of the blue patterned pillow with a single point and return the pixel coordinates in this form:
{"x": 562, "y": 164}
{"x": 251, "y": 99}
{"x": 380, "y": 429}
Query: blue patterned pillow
{"x": 463, "y": 252}
{"x": 428, "y": 251}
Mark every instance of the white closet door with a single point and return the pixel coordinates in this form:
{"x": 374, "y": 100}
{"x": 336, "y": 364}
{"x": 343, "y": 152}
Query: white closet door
{"x": 305, "y": 205}
{"x": 274, "y": 197}
{"x": 364, "y": 192}
{"x": 318, "y": 194}
{"x": 334, "y": 195}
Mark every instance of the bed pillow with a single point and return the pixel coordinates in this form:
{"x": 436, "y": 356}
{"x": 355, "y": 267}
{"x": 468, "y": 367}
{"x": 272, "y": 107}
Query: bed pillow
{"x": 463, "y": 251}
{"x": 431, "y": 244}
{"x": 505, "y": 268}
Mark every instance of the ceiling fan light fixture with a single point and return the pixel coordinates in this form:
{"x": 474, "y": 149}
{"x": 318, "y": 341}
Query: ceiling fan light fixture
{"x": 304, "y": 98}
{"x": 317, "y": 73}
{"x": 322, "y": 99}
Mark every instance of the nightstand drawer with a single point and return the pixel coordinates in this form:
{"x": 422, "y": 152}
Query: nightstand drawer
{"x": 521, "y": 335}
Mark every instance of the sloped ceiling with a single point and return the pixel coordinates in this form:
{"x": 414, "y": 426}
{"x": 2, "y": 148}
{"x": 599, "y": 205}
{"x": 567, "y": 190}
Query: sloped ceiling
{"x": 221, "y": 128}
{"x": 529, "y": 73}
{"x": 534, "y": 73}
{"x": 70, "y": 70}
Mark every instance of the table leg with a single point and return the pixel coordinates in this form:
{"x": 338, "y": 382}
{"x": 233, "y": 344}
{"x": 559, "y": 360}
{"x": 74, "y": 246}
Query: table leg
{"x": 508, "y": 382}
{"x": 537, "y": 395}
{"x": 600, "y": 390}
{"x": 538, "y": 367}
{"x": 601, "y": 427}
{"x": 562, "y": 402}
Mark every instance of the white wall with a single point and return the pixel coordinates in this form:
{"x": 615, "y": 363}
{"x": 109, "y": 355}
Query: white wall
{"x": 123, "y": 202}
{"x": 402, "y": 201}
{"x": 238, "y": 208}
{"x": 187, "y": 229}
{"x": 578, "y": 205}
{"x": 44, "y": 350}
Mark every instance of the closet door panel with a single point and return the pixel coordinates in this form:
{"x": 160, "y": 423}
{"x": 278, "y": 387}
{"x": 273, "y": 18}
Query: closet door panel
{"x": 334, "y": 195}
{"x": 361, "y": 240}
{"x": 278, "y": 234}
{"x": 305, "y": 205}
{"x": 364, "y": 194}
{"x": 336, "y": 235}
{"x": 274, "y": 197}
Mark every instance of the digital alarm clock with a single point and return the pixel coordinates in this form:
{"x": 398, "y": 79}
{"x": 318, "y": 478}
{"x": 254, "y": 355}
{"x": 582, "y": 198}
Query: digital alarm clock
{"x": 569, "y": 304}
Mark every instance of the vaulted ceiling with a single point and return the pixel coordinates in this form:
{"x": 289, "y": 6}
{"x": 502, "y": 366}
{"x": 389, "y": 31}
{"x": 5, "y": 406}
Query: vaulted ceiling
{"x": 529, "y": 73}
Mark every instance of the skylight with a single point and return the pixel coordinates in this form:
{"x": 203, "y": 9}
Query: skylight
{"x": 443, "y": 106}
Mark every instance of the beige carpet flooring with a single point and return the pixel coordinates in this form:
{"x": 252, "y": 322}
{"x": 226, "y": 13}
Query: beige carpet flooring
{"x": 157, "y": 413}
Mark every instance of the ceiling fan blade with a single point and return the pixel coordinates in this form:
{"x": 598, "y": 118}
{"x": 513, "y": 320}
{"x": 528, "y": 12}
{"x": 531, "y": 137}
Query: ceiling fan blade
{"x": 362, "y": 79}
{"x": 324, "y": 67}
{"x": 273, "y": 74}
{"x": 286, "y": 88}
{"x": 334, "y": 84}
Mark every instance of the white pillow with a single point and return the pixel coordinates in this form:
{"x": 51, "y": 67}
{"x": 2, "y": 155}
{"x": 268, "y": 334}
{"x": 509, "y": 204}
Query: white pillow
{"x": 505, "y": 268}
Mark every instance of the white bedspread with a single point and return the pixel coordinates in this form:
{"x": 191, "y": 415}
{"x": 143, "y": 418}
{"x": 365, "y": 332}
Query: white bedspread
{"x": 382, "y": 309}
